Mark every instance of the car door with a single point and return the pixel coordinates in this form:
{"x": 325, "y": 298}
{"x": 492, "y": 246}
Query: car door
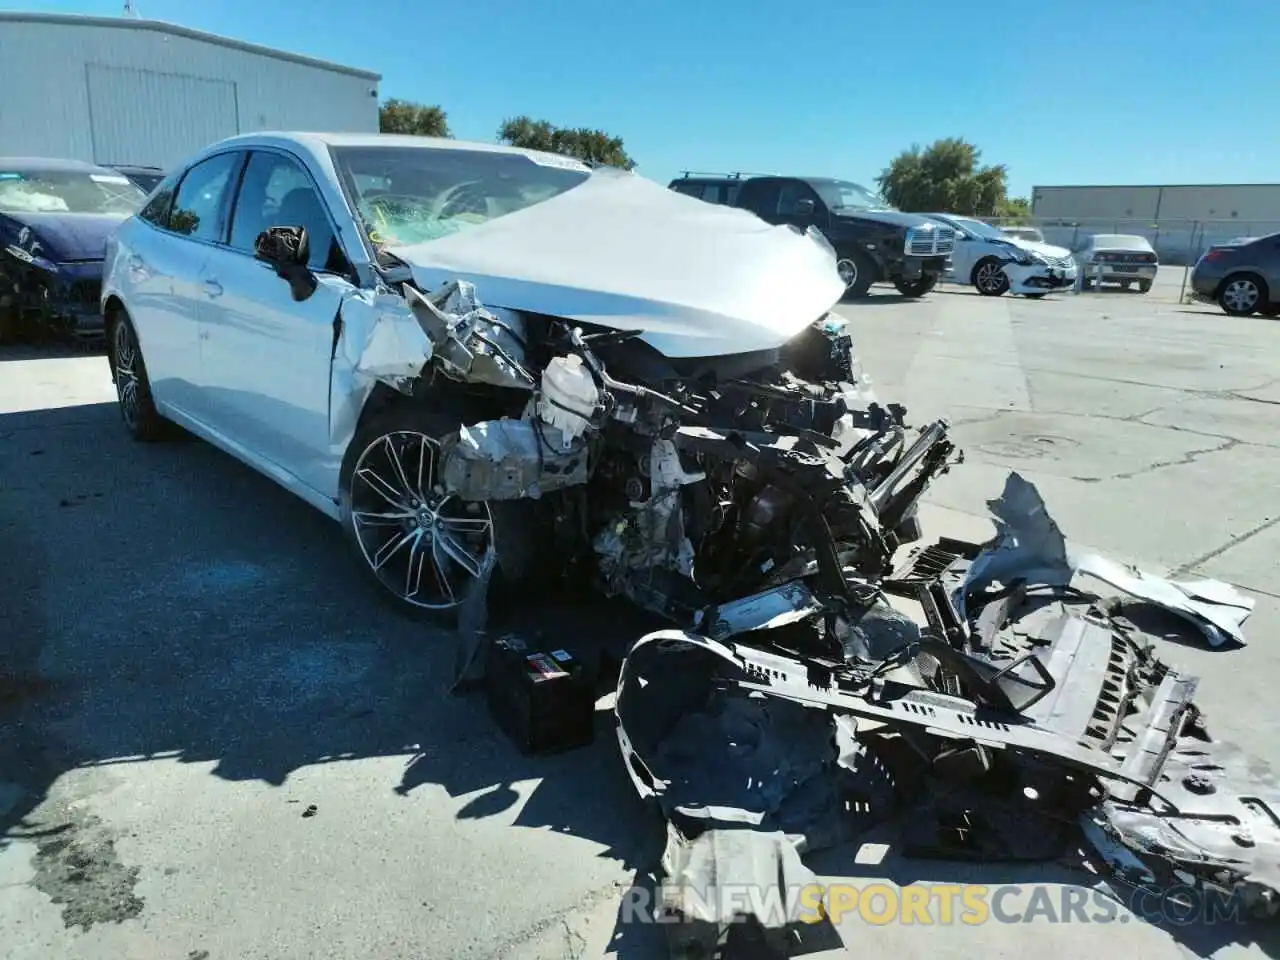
{"x": 965, "y": 254}
{"x": 265, "y": 356}
{"x": 166, "y": 251}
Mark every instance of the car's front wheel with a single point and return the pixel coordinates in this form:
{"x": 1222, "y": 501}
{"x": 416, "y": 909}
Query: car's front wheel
{"x": 1242, "y": 294}
{"x": 423, "y": 547}
{"x": 915, "y": 288}
{"x": 133, "y": 386}
{"x": 989, "y": 278}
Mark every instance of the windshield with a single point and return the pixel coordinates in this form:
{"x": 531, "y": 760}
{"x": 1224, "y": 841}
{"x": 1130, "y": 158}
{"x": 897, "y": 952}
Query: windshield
{"x": 843, "y": 195}
{"x": 408, "y": 195}
{"x": 68, "y": 191}
{"x": 979, "y": 229}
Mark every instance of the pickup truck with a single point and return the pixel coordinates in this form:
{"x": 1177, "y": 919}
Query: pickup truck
{"x": 873, "y": 241}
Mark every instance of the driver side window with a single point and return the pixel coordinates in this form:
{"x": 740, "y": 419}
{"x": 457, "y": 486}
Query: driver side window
{"x": 276, "y": 192}
{"x": 790, "y": 196}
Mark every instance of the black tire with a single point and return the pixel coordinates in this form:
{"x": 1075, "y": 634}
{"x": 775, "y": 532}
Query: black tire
{"x": 133, "y": 387}
{"x": 1034, "y": 296}
{"x": 863, "y": 271}
{"x": 409, "y": 430}
{"x": 1242, "y": 293}
{"x": 10, "y": 327}
{"x": 1144, "y": 286}
{"x": 1270, "y": 310}
{"x": 915, "y": 289}
{"x": 989, "y": 278}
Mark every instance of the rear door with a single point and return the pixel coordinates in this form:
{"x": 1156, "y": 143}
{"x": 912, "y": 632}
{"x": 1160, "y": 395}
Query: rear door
{"x": 166, "y": 250}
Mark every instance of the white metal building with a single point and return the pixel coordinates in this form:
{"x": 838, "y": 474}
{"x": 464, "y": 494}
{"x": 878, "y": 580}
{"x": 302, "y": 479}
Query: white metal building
{"x": 1246, "y": 203}
{"x": 129, "y": 91}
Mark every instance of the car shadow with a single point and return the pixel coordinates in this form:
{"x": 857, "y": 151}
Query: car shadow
{"x": 168, "y": 601}
{"x": 52, "y": 350}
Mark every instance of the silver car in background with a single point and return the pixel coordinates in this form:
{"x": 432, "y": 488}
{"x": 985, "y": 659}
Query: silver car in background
{"x": 1024, "y": 233}
{"x": 1118, "y": 258}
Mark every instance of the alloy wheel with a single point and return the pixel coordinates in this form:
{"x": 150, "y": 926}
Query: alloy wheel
{"x": 848, "y": 271}
{"x": 128, "y": 385}
{"x": 1241, "y": 295}
{"x": 990, "y": 278}
{"x": 424, "y": 545}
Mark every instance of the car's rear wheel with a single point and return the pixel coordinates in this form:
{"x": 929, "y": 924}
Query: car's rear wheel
{"x": 858, "y": 273}
{"x": 1242, "y": 294}
{"x": 424, "y": 548}
{"x": 133, "y": 387}
{"x": 989, "y": 278}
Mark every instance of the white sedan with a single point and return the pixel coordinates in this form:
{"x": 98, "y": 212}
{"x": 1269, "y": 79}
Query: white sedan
{"x": 312, "y": 304}
{"x": 994, "y": 263}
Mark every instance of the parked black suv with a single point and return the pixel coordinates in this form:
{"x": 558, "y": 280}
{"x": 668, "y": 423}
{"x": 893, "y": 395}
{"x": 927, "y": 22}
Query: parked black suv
{"x": 873, "y": 241}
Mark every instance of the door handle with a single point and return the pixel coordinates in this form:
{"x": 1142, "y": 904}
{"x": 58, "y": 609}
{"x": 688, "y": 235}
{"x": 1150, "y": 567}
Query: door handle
{"x": 213, "y": 288}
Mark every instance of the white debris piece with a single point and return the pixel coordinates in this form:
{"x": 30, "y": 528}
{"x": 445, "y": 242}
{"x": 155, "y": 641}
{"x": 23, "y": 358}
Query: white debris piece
{"x": 1030, "y": 547}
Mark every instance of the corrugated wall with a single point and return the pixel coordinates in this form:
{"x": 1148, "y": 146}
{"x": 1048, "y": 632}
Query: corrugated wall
{"x": 1243, "y": 202}
{"x": 93, "y": 93}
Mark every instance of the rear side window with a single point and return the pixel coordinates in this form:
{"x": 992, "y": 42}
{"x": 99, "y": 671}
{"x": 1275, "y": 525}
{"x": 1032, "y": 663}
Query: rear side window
{"x": 201, "y": 198}
{"x": 156, "y": 212}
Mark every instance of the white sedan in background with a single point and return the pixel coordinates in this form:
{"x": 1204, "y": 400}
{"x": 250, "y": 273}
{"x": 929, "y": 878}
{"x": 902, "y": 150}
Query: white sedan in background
{"x": 1123, "y": 259}
{"x": 995, "y": 263}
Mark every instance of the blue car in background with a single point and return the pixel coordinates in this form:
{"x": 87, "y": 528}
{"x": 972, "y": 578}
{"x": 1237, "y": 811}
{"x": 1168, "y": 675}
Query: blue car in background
{"x": 55, "y": 217}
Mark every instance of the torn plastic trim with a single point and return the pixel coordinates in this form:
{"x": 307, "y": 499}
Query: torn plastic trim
{"x": 1030, "y": 547}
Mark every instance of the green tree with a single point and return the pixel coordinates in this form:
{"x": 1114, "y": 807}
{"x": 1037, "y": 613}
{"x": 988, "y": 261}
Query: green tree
{"x": 945, "y": 177}
{"x": 1017, "y": 209}
{"x": 403, "y": 116}
{"x": 592, "y": 146}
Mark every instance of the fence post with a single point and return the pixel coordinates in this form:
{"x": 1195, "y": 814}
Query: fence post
{"x": 1186, "y": 270}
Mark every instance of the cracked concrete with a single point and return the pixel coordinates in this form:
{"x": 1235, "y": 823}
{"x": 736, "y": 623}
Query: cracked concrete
{"x": 191, "y": 695}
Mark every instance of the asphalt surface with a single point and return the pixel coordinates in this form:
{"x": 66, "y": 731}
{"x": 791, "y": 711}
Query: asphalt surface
{"x": 215, "y": 743}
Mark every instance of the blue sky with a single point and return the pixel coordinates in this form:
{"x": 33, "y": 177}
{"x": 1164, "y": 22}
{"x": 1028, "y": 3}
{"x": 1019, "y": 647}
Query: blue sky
{"x": 817, "y": 86}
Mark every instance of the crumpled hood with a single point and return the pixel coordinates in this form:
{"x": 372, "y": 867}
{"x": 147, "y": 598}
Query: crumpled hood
{"x": 67, "y": 237}
{"x": 1044, "y": 249}
{"x": 621, "y": 251}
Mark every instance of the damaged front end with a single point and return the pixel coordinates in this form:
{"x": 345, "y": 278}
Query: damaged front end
{"x": 40, "y": 295}
{"x": 1007, "y": 708}
{"x": 680, "y": 484}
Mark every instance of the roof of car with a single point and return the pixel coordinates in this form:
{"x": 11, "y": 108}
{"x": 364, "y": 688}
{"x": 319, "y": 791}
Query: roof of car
{"x": 316, "y": 141}
{"x": 50, "y": 163}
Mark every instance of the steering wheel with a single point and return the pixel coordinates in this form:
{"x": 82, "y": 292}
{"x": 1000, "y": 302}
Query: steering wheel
{"x": 460, "y": 199}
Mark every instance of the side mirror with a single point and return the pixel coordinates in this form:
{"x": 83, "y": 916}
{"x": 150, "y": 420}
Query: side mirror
{"x": 283, "y": 246}
{"x": 805, "y": 207}
{"x": 287, "y": 249}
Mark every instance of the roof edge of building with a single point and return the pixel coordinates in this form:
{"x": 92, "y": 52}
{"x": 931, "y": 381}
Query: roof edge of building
{"x": 161, "y": 26}
{"x": 1146, "y": 186}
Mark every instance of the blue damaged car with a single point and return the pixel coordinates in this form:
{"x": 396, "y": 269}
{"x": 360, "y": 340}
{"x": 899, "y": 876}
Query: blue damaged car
{"x": 55, "y": 217}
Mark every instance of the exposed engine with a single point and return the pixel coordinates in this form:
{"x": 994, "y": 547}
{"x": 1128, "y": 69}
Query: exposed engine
{"x": 690, "y": 486}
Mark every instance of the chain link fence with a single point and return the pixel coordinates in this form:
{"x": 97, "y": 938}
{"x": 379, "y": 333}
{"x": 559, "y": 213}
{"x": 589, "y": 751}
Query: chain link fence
{"x": 1178, "y": 243}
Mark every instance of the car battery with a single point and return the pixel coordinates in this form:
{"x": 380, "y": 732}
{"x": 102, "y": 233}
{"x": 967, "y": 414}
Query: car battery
{"x": 543, "y": 700}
